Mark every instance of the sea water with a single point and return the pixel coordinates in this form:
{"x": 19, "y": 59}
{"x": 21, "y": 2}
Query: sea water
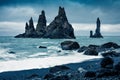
{"x": 24, "y": 53}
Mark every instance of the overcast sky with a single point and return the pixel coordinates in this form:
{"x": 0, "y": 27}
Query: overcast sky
{"x": 14, "y": 14}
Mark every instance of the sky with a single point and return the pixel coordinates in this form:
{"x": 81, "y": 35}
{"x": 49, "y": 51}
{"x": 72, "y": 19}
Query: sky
{"x": 82, "y": 14}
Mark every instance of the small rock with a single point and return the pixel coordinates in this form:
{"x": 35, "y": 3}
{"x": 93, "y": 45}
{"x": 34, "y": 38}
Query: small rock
{"x": 110, "y": 54}
{"x": 70, "y": 45}
{"x": 90, "y": 74}
{"x": 91, "y": 51}
{"x": 42, "y": 47}
{"x": 11, "y": 52}
{"x": 83, "y": 48}
{"x": 58, "y": 68}
{"x": 107, "y": 62}
{"x": 110, "y": 45}
{"x": 117, "y": 66}
{"x": 49, "y": 76}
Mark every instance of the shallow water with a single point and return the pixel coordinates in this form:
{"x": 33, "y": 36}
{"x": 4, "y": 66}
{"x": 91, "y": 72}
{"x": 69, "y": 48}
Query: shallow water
{"x": 27, "y": 52}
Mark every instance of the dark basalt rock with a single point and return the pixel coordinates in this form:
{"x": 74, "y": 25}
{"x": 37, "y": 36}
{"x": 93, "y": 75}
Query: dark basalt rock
{"x": 49, "y": 76}
{"x": 41, "y": 25}
{"x": 117, "y": 67}
{"x": 11, "y": 52}
{"x": 83, "y": 48}
{"x": 29, "y": 31}
{"x": 90, "y": 74}
{"x": 42, "y": 47}
{"x": 58, "y": 68}
{"x": 97, "y": 31}
{"x": 106, "y": 73}
{"x": 110, "y": 54}
{"x": 70, "y": 45}
{"x": 110, "y": 45}
{"x": 60, "y": 27}
{"x": 91, "y": 51}
{"x": 107, "y": 62}
{"x": 62, "y": 77}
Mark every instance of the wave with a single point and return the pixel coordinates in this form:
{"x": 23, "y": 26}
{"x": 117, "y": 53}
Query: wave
{"x": 37, "y": 63}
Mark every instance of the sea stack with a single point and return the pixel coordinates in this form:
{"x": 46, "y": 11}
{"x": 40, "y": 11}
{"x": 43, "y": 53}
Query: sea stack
{"x": 97, "y": 31}
{"x": 41, "y": 25}
{"x": 29, "y": 30}
{"x": 59, "y": 28}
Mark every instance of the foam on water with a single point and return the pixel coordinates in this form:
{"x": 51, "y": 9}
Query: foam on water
{"x": 37, "y": 63}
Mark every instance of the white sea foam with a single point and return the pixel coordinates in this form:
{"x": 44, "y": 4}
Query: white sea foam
{"x": 39, "y": 54}
{"x": 34, "y": 63}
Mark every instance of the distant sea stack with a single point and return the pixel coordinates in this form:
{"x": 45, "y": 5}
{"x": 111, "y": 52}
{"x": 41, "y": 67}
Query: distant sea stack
{"x": 59, "y": 28}
{"x": 97, "y": 31}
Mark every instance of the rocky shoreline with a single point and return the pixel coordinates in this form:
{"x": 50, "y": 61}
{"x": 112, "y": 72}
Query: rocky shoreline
{"x": 106, "y": 68}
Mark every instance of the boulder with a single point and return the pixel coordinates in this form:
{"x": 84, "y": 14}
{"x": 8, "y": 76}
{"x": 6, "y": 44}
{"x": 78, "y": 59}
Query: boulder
{"x": 62, "y": 77}
{"x": 70, "y": 45}
{"x": 106, "y": 73}
{"x": 58, "y": 68}
{"x": 49, "y": 76}
{"x": 83, "y": 48}
{"x": 107, "y": 62}
{"x": 117, "y": 66}
{"x": 110, "y": 54}
{"x": 60, "y": 28}
{"x": 110, "y": 45}
{"x": 90, "y": 74}
{"x": 91, "y": 51}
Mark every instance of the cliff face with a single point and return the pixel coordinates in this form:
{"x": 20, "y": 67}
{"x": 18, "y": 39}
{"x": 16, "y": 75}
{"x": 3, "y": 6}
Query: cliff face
{"x": 97, "y": 31}
{"x": 59, "y": 28}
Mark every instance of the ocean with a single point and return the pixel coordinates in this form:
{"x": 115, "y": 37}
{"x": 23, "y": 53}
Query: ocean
{"x": 24, "y": 53}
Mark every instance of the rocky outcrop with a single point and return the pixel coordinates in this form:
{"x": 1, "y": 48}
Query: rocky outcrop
{"x": 70, "y": 45}
{"x": 97, "y": 31}
{"x": 59, "y": 28}
{"x": 29, "y": 31}
{"x": 41, "y": 25}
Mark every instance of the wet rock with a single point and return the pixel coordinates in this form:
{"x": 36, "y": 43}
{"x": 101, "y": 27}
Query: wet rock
{"x": 42, "y": 47}
{"x": 58, "y": 68}
{"x": 91, "y": 51}
{"x": 110, "y": 45}
{"x": 11, "y": 52}
{"x": 49, "y": 76}
{"x": 70, "y": 45}
{"x": 117, "y": 66}
{"x": 110, "y": 54}
{"x": 107, "y": 62}
{"x": 33, "y": 76}
{"x": 106, "y": 73}
{"x": 62, "y": 77}
{"x": 83, "y": 48}
{"x": 90, "y": 74}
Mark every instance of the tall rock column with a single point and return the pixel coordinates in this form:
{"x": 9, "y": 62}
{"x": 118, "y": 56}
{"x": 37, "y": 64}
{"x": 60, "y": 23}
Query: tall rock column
{"x": 97, "y": 31}
{"x": 41, "y": 25}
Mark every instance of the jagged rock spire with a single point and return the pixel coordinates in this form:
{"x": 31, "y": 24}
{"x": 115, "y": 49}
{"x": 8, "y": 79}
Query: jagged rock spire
{"x": 41, "y": 25}
{"x": 97, "y": 31}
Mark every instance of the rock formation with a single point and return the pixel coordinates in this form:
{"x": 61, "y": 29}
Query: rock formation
{"x": 41, "y": 25}
{"x": 59, "y": 28}
{"x": 29, "y": 31}
{"x": 97, "y": 31}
